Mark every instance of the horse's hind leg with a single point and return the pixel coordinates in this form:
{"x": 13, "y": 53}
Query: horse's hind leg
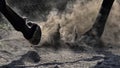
{"x": 92, "y": 37}
{"x": 98, "y": 27}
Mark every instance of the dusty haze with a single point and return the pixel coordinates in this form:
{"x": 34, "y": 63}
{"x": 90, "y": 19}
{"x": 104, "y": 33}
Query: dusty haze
{"x": 61, "y": 21}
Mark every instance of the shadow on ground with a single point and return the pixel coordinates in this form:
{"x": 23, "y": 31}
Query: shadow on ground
{"x": 30, "y": 56}
{"x": 110, "y": 60}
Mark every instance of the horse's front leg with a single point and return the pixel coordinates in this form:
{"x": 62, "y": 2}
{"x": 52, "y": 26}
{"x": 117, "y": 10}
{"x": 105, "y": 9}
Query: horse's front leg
{"x": 31, "y": 32}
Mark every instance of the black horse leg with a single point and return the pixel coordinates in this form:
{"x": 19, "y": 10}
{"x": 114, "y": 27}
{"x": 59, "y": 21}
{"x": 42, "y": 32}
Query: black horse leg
{"x": 31, "y": 31}
{"x": 98, "y": 27}
{"x": 92, "y": 37}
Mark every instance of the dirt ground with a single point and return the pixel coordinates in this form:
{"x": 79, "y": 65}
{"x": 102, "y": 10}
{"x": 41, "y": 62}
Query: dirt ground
{"x": 16, "y": 52}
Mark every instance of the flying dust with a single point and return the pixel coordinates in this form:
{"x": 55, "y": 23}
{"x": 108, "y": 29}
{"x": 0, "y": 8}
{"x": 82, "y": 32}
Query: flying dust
{"x": 77, "y": 18}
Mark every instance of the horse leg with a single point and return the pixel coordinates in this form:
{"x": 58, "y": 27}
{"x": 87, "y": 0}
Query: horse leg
{"x": 31, "y": 32}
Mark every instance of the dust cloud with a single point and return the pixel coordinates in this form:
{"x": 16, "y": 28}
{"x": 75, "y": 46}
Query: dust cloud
{"x": 77, "y": 18}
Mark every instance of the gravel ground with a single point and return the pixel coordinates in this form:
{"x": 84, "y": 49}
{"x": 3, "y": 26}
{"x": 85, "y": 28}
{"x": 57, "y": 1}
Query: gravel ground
{"x": 18, "y": 53}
